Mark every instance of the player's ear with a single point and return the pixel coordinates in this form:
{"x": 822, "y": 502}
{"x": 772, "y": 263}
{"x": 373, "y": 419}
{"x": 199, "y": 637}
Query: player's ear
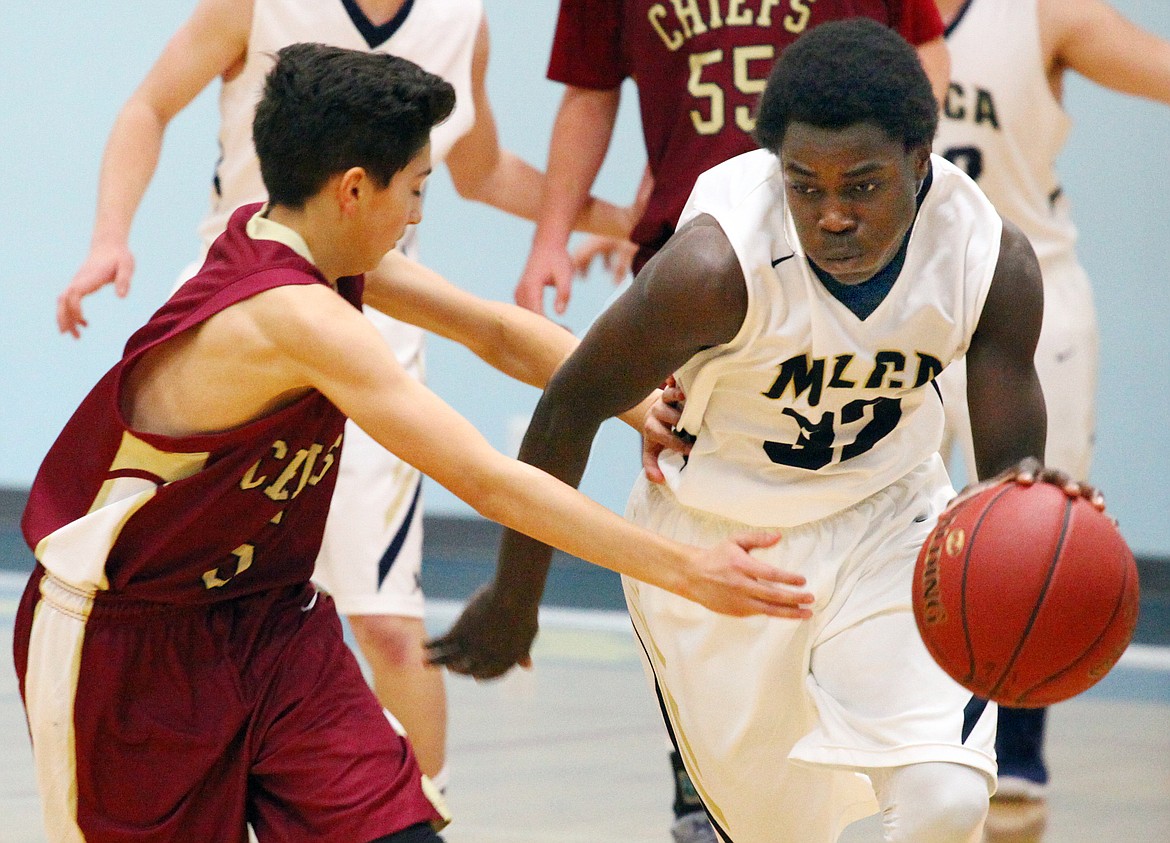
{"x": 921, "y": 157}
{"x": 349, "y": 186}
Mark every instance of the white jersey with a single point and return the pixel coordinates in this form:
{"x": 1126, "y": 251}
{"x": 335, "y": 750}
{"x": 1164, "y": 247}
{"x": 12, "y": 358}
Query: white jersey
{"x": 810, "y": 409}
{"x": 1002, "y": 123}
{"x": 437, "y": 35}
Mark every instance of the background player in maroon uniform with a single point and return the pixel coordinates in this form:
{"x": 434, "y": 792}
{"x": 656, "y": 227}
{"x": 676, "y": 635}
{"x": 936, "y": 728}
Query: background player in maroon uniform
{"x": 699, "y": 68}
{"x": 181, "y": 675}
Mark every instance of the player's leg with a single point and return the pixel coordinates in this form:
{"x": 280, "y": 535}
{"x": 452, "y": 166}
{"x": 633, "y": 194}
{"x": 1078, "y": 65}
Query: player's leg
{"x": 411, "y": 689}
{"x": 328, "y": 763}
{"x": 933, "y": 802}
{"x": 732, "y": 693}
{"x": 882, "y": 702}
{"x": 690, "y": 823}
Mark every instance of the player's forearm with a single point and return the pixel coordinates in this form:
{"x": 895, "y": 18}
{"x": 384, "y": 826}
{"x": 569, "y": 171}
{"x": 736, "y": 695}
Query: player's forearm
{"x": 523, "y": 344}
{"x": 542, "y": 513}
{"x": 516, "y": 187}
{"x": 580, "y": 140}
{"x": 128, "y": 164}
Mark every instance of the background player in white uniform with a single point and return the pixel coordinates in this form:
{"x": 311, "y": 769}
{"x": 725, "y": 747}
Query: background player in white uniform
{"x": 376, "y": 506}
{"x": 1004, "y": 124}
{"x": 813, "y": 293}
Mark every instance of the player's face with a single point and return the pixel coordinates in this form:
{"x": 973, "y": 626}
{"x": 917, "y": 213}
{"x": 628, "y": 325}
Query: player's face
{"x": 398, "y": 204}
{"x": 852, "y": 195}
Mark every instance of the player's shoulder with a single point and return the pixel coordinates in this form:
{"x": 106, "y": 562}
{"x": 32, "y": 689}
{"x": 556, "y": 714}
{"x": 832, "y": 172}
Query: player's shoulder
{"x": 952, "y": 187}
{"x": 738, "y": 191}
{"x": 740, "y": 174}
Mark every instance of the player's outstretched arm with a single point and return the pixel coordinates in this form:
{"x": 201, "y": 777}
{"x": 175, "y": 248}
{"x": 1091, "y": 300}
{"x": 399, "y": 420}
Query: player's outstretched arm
{"x": 211, "y": 42}
{"x": 690, "y": 296}
{"x": 1098, "y": 42}
{"x": 324, "y": 343}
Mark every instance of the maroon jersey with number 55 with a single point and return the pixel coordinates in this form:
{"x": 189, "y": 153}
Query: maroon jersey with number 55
{"x": 191, "y": 519}
{"x": 699, "y": 66}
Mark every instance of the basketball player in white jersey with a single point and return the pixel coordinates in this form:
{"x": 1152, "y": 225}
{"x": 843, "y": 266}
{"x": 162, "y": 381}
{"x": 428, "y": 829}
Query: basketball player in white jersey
{"x": 371, "y": 555}
{"x": 812, "y": 294}
{"x": 1004, "y": 123}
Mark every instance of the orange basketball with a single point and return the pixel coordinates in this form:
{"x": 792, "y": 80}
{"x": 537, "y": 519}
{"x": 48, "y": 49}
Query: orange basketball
{"x": 1024, "y": 595}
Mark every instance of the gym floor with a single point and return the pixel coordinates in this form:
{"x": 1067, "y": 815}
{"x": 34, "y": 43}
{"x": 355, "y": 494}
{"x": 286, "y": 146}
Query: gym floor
{"x": 573, "y": 751}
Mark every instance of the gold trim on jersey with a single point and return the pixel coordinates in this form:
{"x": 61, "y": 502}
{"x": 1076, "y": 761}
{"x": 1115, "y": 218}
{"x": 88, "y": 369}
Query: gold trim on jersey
{"x": 260, "y": 227}
{"x": 136, "y": 454}
{"x": 76, "y": 552}
{"x": 56, "y": 637}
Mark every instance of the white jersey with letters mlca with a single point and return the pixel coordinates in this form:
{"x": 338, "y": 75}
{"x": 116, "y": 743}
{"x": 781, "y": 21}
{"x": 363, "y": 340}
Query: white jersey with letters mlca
{"x": 822, "y": 419}
{"x": 811, "y": 408}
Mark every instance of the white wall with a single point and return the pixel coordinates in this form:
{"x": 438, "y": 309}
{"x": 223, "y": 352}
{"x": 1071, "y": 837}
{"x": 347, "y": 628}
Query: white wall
{"x": 67, "y": 72}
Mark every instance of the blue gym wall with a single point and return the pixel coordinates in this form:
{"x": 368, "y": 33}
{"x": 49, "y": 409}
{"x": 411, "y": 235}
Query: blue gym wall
{"x": 69, "y": 69}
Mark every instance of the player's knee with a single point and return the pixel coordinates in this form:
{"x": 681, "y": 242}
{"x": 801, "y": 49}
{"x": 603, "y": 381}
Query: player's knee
{"x": 955, "y": 817}
{"x": 392, "y": 642}
{"x": 946, "y": 803}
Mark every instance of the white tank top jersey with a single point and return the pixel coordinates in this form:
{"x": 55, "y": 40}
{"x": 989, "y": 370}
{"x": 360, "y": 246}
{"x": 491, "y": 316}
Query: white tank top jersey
{"x": 437, "y": 35}
{"x": 810, "y": 409}
{"x": 1002, "y": 123}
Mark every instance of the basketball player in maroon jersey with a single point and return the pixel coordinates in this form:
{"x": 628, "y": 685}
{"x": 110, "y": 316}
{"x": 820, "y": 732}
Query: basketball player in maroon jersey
{"x": 181, "y": 676}
{"x": 698, "y": 68}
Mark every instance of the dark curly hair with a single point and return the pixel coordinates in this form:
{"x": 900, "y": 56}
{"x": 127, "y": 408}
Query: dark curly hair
{"x": 326, "y": 109}
{"x": 846, "y": 72}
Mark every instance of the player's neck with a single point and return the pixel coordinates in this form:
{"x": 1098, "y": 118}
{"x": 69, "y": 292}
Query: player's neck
{"x": 317, "y": 236}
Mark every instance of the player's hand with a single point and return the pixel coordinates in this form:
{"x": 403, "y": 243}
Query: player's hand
{"x": 1030, "y": 470}
{"x": 545, "y": 268}
{"x": 491, "y": 636}
{"x": 659, "y": 430}
{"x": 727, "y": 579}
{"x": 617, "y": 256}
{"x": 104, "y": 265}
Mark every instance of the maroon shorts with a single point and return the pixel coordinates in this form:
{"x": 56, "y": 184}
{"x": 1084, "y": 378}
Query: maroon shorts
{"x": 188, "y": 722}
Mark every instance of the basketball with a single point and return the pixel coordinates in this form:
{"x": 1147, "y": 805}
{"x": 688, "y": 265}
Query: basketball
{"x": 1024, "y": 595}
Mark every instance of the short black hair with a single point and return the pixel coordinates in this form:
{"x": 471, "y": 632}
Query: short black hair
{"x": 325, "y": 109}
{"x": 847, "y": 72}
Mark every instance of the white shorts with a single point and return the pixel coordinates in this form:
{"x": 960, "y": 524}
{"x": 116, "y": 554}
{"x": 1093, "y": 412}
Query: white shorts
{"x": 1066, "y": 361}
{"x": 777, "y": 720}
{"x": 371, "y": 554}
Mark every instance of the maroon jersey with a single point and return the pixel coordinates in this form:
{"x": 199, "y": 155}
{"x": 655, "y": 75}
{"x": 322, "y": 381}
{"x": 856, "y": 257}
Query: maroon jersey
{"x": 699, "y": 67}
{"x": 191, "y": 519}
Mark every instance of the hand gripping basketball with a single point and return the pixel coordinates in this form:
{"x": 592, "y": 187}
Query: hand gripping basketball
{"x": 1025, "y": 594}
